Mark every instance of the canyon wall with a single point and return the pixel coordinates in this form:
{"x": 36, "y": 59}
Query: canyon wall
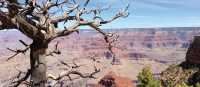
{"x": 154, "y": 43}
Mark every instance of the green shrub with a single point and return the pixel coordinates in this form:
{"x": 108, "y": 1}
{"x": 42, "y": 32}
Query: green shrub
{"x": 146, "y": 79}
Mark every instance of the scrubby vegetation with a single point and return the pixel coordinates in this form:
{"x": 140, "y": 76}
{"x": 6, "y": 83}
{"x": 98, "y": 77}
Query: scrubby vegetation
{"x": 182, "y": 75}
{"x": 177, "y": 76}
{"x": 146, "y": 79}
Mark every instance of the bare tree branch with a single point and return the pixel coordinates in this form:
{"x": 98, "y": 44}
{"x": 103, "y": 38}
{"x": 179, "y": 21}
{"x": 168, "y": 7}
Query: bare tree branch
{"x": 55, "y": 51}
{"x": 37, "y": 21}
{"x": 122, "y": 13}
{"x": 74, "y": 66}
{"x": 19, "y": 51}
{"x": 21, "y": 80}
{"x": 73, "y": 72}
{"x": 64, "y": 63}
{"x": 66, "y": 31}
{"x": 112, "y": 44}
{"x": 86, "y": 3}
{"x": 49, "y": 5}
{"x": 12, "y": 9}
{"x": 26, "y": 27}
{"x": 65, "y": 17}
{"x": 5, "y": 21}
{"x": 21, "y": 41}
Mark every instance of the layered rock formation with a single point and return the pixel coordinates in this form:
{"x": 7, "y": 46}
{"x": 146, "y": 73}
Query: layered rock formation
{"x": 193, "y": 53}
{"x": 133, "y": 43}
{"x": 163, "y": 45}
{"x": 112, "y": 80}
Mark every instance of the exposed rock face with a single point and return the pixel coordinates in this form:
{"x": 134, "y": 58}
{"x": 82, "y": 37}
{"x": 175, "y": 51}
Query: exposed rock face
{"x": 112, "y": 80}
{"x": 193, "y": 53}
{"x": 134, "y": 44}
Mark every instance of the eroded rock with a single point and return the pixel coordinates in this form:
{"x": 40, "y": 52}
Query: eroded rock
{"x": 193, "y": 53}
{"x": 112, "y": 80}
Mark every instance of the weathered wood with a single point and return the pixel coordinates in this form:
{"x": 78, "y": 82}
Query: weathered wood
{"x": 6, "y": 22}
{"x": 38, "y": 63}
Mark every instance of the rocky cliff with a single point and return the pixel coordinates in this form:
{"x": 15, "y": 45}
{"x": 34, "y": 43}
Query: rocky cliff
{"x": 193, "y": 53}
{"x": 133, "y": 43}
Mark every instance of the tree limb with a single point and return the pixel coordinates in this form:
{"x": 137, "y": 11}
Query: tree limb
{"x": 19, "y": 51}
{"x": 12, "y": 9}
{"x": 5, "y": 21}
{"x": 21, "y": 80}
{"x": 55, "y": 51}
{"x": 66, "y": 31}
{"x": 49, "y": 5}
{"x": 73, "y": 72}
{"x": 26, "y": 28}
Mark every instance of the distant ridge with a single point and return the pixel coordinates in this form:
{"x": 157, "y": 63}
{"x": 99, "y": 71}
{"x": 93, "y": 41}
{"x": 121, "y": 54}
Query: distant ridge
{"x": 146, "y": 29}
{"x": 130, "y": 29}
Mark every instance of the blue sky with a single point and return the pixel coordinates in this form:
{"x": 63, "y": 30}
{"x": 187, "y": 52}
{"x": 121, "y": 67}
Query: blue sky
{"x": 154, "y": 13}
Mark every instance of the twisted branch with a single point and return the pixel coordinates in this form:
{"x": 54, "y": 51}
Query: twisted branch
{"x": 73, "y": 71}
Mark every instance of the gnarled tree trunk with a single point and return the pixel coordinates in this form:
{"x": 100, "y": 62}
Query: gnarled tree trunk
{"x": 38, "y": 63}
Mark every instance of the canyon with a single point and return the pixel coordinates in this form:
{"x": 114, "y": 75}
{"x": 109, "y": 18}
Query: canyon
{"x": 135, "y": 47}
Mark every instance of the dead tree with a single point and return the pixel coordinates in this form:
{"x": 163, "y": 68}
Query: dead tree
{"x": 38, "y": 20}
